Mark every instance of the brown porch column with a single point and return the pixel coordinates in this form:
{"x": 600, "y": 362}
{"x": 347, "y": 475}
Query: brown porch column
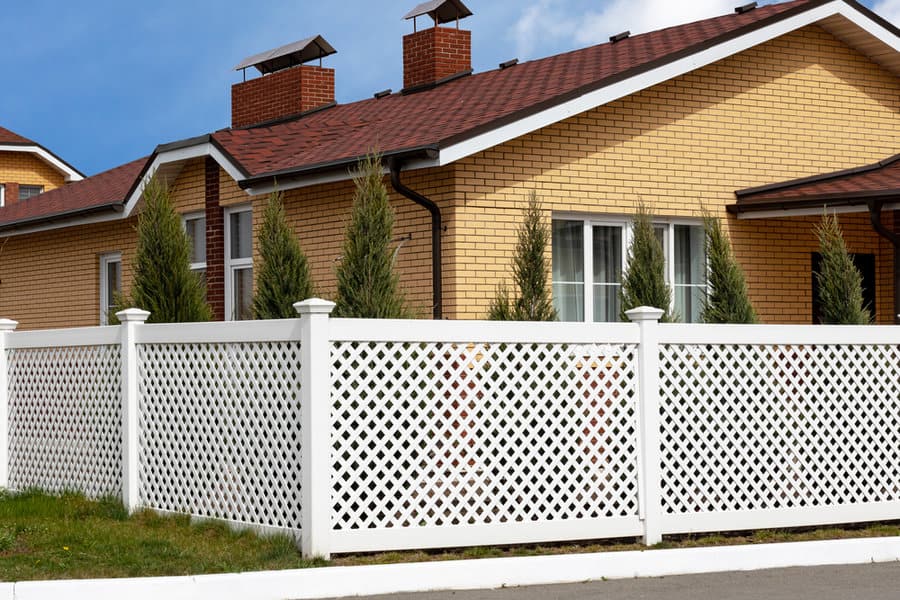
{"x": 215, "y": 242}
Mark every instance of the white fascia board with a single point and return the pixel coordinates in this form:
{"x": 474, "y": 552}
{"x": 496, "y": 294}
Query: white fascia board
{"x": 62, "y": 223}
{"x": 179, "y": 154}
{"x": 69, "y": 172}
{"x": 332, "y": 177}
{"x": 659, "y": 75}
{"x": 806, "y": 212}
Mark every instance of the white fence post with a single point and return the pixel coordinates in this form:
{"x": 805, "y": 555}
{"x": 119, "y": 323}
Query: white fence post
{"x": 6, "y": 327}
{"x": 649, "y": 454}
{"x": 131, "y": 320}
{"x": 315, "y": 420}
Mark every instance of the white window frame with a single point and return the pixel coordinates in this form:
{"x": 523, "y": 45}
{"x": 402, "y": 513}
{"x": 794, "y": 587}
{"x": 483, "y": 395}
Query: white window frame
{"x": 105, "y": 261}
{"x": 624, "y": 222}
{"x": 196, "y": 266}
{"x": 2, "y": 195}
{"x": 234, "y": 264}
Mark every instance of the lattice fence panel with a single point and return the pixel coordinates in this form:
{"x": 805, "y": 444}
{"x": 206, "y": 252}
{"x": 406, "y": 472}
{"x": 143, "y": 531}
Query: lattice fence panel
{"x": 767, "y": 427}
{"x": 220, "y": 431}
{"x": 65, "y": 420}
{"x": 441, "y": 434}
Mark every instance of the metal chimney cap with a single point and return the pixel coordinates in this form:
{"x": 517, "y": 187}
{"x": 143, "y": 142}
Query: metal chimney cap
{"x": 442, "y": 11}
{"x": 289, "y": 55}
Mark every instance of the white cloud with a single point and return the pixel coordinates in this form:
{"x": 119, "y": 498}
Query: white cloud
{"x": 889, "y": 9}
{"x": 547, "y": 23}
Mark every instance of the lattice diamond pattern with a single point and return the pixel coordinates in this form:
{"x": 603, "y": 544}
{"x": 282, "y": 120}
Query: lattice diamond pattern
{"x": 763, "y": 427}
{"x": 438, "y": 434}
{"x": 220, "y": 431}
{"x": 65, "y": 420}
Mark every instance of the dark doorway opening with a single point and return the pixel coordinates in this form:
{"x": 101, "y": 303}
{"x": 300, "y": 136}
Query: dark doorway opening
{"x": 866, "y": 265}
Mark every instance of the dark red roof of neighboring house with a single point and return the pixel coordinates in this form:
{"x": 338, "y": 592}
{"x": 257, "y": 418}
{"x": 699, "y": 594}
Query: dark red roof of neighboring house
{"x": 851, "y": 186}
{"x": 459, "y": 109}
{"x": 107, "y": 190}
{"x": 11, "y": 137}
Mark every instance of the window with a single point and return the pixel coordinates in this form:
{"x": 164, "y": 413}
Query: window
{"x": 29, "y": 191}
{"x": 2, "y": 195}
{"x": 110, "y": 284}
{"x": 195, "y": 227}
{"x": 239, "y": 264}
{"x": 589, "y": 261}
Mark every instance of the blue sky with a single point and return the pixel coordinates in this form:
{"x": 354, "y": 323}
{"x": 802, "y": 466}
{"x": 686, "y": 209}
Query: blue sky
{"x": 103, "y": 82}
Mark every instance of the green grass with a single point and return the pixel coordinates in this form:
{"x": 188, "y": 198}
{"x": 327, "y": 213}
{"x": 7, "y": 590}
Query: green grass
{"x": 68, "y": 537}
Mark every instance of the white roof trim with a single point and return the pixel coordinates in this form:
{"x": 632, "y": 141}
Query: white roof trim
{"x": 70, "y": 173}
{"x": 179, "y": 154}
{"x": 808, "y": 211}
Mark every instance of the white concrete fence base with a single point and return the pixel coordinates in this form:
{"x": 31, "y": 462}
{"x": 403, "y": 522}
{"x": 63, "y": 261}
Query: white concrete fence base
{"x": 465, "y": 575}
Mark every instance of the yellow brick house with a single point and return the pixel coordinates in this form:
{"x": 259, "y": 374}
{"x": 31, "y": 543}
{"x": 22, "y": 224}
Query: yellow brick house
{"x": 764, "y": 116}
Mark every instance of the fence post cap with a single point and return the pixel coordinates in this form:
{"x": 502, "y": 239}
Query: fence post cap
{"x": 645, "y": 313}
{"x": 133, "y": 315}
{"x": 8, "y": 325}
{"x": 314, "y": 306}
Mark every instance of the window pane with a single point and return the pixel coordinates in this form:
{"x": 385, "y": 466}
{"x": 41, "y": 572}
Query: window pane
{"x": 607, "y": 303}
{"x": 113, "y": 280}
{"x": 568, "y": 270}
{"x": 242, "y": 234}
{"x": 607, "y": 254}
{"x": 568, "y": 299}
{"x": 568, "y": 251}
{"x": 690, "y": 256}
{"x": 690, "y": 272}
{"x": 243, "y": 294}
{"x": 196, "y": 232}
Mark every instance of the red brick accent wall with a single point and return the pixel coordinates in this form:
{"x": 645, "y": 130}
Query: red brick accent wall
{"x": 11, "y": 194}
{"x": 282, "y": 94}
{"x": 215, "y": 242}
{"x": 433, "y": 54}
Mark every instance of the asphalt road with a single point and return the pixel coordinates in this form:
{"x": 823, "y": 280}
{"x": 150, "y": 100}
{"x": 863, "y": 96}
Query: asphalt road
{"x": 866, "y": 582}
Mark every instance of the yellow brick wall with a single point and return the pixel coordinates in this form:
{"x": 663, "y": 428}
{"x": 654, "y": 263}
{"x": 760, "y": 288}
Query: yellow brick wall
{"x": 800, "y": 105}
{"x": 27, "y": 169}
{"x": 52, "y": 279}
{"x": 320, "y": 216}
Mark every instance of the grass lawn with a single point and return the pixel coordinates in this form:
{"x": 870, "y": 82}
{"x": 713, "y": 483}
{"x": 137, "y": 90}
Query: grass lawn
{"x": 68, "y": 537}
{"x": 43, "y": 537}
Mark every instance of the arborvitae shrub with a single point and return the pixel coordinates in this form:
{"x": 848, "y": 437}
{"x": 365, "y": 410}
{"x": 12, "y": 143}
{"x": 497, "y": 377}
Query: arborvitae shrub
{"x": 727, "y": 299}
{"x": 840, "y": 283}
{"x": 644, "y": 281}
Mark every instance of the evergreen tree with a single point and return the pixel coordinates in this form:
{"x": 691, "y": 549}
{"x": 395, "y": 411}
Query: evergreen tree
{"x": 283, "y": 276}
{"x": 840, "y": 283}
{"x": 367, "y": 286}
{"x": 534, "y": 301}
{"x": 727, "y": 299}
{"x": 163, "y": 281}
{"x": 644, "y": 281}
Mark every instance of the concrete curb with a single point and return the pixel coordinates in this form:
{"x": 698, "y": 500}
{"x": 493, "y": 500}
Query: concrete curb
{"x": 466, "y": 574}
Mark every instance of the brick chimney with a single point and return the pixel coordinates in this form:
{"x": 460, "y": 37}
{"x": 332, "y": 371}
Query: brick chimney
{"x": 437, "y": 53}
{"x": 287, "y": 87}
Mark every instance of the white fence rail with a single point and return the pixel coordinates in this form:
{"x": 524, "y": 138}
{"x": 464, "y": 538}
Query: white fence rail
{"x": 376, "y": 435}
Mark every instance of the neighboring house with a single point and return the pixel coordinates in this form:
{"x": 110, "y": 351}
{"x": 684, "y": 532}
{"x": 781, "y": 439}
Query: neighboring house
{"x": 27, "y": 169}
{"x": 683, "y": 118}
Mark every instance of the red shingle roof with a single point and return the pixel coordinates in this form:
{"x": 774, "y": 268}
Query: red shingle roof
{"x": 446, "y": 114}
{"x": 106, "y": 189}
{"x": 851, "y": 186}
{"x": 11, "y": 137}
{"x": 458, "y": 109}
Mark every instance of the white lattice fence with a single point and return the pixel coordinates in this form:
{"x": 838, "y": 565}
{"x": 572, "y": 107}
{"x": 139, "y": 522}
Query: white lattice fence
{"x": 438, "y": 435}
{"x": 65, "y": 419}
{"x": 220, "y": 431}
{"x": 763, "y": 429}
